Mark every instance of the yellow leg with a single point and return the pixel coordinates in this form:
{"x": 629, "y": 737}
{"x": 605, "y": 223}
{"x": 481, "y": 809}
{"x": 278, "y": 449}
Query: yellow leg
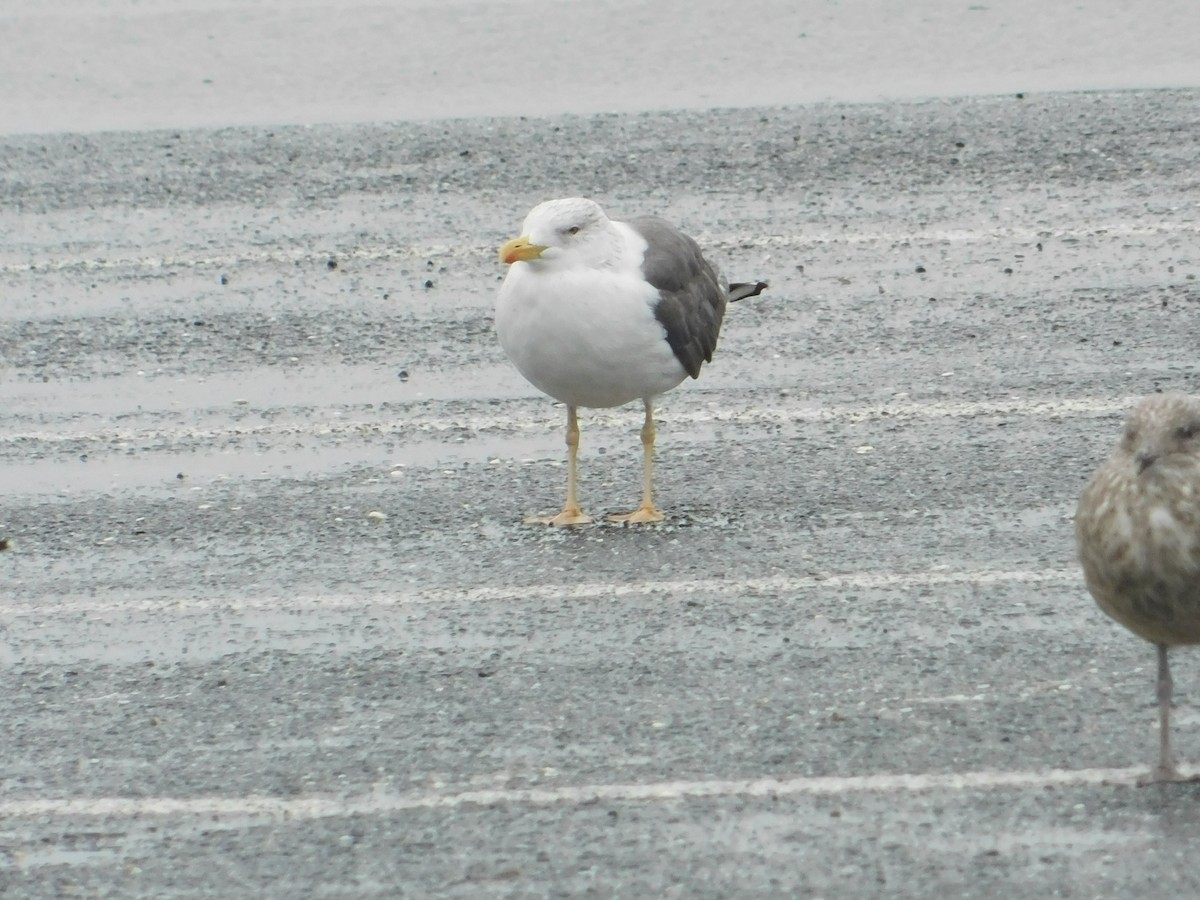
{"x": 571, "y": 513}
{"x": 647, "y": 512}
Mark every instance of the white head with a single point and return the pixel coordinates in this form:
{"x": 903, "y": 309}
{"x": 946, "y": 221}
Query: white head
{"x": 569, "y": 232}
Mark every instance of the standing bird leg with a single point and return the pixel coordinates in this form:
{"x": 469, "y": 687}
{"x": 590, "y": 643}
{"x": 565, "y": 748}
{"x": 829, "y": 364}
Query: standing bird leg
{"x": 647, "y": 512}
{"x": 571, "y": 513}
{"x": 1165, "y": 770}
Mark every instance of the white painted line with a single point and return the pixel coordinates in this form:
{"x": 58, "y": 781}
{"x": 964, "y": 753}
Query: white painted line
{"x": 383, "y": 803}
{"x": 1100, "y": 231}
{"x": 597, "y": 419}
{"x": 571, "y": 591}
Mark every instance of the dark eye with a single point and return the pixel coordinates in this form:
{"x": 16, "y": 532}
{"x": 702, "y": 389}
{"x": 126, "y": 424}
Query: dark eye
{"x": 574, "y": 229}
{"x": 1187, "y": 432}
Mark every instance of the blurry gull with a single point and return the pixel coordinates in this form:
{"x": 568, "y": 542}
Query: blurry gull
{"x": 1138, "y": 530}
{"x": 598, "y": 312}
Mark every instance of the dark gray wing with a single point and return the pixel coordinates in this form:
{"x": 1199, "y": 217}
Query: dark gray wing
{"x": 692, "y": 297}
{"x": 742, "y": 291}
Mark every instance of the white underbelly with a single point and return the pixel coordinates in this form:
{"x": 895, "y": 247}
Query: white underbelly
{"x": 592, "y": 342}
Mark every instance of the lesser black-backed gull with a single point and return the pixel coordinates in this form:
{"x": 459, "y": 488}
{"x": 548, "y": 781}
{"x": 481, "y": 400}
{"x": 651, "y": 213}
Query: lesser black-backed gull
{"x": 599, "y": 312}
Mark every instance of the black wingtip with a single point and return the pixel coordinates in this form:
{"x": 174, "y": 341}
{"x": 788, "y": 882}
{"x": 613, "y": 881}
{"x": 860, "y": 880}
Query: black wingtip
{"x": 742, "y": 290}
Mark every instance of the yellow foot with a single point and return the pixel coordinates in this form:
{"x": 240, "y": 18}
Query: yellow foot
{"x": 569, "y": 516}
{"x": 643, "y": 515}
{"x": 1164, "y": 775}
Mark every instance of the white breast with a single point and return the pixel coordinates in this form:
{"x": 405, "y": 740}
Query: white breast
{"x": 586, "y": 337}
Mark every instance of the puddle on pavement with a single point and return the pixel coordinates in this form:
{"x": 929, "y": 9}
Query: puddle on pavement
{"x": 263, "y": 389}
{"x": 306, "y": 456}
{"x": 147, "y": 470}
{"x": 45, "y": 856}
{"x": 175, "y": 471}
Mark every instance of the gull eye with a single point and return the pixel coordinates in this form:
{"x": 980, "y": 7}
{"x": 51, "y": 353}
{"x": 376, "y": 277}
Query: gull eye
{"x": 574, "y": 229}
{"x": 1187, "y": 432}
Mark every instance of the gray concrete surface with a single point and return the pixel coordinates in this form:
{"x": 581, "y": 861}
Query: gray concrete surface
{"x": 857, "y": 660}
{"x": 89, "y": 65}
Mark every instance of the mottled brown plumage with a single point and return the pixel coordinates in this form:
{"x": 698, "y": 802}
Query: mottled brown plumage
{"x": 1138, "y": 531}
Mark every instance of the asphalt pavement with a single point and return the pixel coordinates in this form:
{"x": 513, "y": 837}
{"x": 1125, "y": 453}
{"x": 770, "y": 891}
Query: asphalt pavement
{"x": 272, "y": 626}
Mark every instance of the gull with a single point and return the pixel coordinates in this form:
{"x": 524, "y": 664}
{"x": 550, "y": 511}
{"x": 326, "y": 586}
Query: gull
{"x": 598, "y": 312}
{"x": 1138, "y": 531}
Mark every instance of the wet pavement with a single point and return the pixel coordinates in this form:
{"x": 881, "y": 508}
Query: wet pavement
{"x": 272, "y": 625}
{"x": 83, "y": 65}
